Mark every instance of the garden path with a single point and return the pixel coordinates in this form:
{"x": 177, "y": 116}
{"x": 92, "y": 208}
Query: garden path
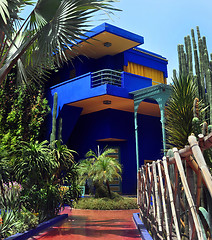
{"x": 93, "y": 224}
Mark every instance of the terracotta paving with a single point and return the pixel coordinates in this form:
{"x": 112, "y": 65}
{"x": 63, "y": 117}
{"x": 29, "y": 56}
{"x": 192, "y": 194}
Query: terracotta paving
{"x": 93, "y": 224}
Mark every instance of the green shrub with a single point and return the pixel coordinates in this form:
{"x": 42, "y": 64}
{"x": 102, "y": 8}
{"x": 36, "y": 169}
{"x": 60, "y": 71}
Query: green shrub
{"x": 27, "y": 220}
{"x": 118, "y": 203}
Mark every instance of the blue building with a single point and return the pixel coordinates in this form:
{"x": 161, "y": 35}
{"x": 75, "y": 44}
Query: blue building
{"x": 113, "y": 94}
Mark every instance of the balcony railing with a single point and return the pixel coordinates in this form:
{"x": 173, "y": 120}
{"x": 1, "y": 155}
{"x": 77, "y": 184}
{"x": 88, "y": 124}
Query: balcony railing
{"x": 106, "y": 76}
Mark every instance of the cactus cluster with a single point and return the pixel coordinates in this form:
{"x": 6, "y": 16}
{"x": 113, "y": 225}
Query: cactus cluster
{"x": 54, "y": 123}
{"x": 202, "y": 66}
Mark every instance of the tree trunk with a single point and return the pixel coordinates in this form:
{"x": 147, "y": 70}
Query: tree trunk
{"x": 108, "y": 188}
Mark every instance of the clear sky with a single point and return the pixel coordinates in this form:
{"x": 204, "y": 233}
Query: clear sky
{"x": 164, "y": 23}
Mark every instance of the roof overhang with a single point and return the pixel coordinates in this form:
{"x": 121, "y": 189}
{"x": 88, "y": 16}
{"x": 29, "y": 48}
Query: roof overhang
{"x": 105, "y": 40}
{"x": 96, "y": 104}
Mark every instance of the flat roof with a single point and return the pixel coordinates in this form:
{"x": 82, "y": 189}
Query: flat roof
{"x": 106, "y": 39}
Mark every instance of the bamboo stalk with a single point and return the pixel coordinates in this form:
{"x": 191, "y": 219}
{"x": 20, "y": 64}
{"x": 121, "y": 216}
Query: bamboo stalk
{"x": 150, "y": 192}
{"x": 145, "y": 186}
{"x": 191, "y": 184}
{"x": 201, "y": 162}
{"x": 139, "y": 187}
{"x": 158, "y": 204}
{"x": 188, "y": 193}
{"x": 163, "y": 200}
{"x": 171, "y": 198}
{"x": 142, "y": 189}
{"x": 199, "y": 188}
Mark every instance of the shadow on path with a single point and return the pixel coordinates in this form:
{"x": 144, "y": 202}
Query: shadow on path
{"x": 92, "y": 224}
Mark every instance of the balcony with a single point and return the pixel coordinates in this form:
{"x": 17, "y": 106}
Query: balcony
{"x": 106, "y": 76}
{"x": 103, "y": 82}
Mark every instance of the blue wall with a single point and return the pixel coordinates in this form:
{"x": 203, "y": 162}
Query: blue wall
{"x": 112, "y": 123}
{"x": 146, "y": 60}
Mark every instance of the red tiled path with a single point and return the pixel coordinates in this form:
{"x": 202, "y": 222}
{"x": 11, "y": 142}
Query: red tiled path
{"x": 93, "y": 224}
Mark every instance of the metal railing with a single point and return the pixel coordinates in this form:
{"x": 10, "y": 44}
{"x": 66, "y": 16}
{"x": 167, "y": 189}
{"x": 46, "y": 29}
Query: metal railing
{"x": 106, "y": 76}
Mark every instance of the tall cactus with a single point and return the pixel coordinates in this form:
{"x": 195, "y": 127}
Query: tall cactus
{"x": 202, "y": 66}
{"x": 54, "y": 120}
{"x": 60, "y": 129}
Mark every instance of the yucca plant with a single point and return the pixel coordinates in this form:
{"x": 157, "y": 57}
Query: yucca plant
{"x": 64, "y": 158}
{"x": 52, "y": 28}
{"x": 179, "y": 111}
{"x": 34, "y": 162}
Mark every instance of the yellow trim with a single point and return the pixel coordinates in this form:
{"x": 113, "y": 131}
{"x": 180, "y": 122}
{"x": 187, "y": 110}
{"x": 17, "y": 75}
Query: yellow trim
{"x": 156, "y": 76}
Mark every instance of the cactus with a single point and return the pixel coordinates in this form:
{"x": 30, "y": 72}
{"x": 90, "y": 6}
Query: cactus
{"x": 202, "y": 65}
{"x": 60, "y": 129}
{"x": 54, "y": 119}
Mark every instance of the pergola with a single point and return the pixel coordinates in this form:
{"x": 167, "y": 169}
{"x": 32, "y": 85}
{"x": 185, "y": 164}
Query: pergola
{"x": 160, "y": 93}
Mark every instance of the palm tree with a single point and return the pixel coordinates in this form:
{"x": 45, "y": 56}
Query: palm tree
{"x": 52, "y": 28}
{"x": 179, "y": 111}
{"x": 100, "y": 168}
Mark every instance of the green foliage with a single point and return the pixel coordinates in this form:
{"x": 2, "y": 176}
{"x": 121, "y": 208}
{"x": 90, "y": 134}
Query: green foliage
{"x": 118, "y": 203}
{"x": 10, "y": 195}
{"x": 179, "y": 111}
{"x": 27, "y": 220}
{"x": 7, "y": 222}
{"x": 205, "y": 219}
{"x": 44, "y": 200}
{"x": 64, "y": 158}
{"x": 203, "y": 68}
{"x": 34, "y": 163}
{"x": 45, "y": 35}
{"x": 99, "y": 168}
{"x": 54, "y": 120}
{"x": 22, "y": 114}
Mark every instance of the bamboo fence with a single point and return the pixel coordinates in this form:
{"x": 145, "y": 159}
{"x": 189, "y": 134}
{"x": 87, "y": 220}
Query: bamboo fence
{"x": 171, "y": 191}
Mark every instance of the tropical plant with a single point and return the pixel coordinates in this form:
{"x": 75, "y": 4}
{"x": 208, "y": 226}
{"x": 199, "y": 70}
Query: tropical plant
{"x": 101, "y": 168}
{"x": 64, "y": 158}
{"x": 7, "y": 222}
{"x": 10, "y": 195}
{"x": 22, "y": 114}
{"x": 179, "y": 111}
{"x": 51, "y": 30}
{"x": 34, "y": 163}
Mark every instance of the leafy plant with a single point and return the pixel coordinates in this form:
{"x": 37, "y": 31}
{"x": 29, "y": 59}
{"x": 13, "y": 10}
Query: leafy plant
{"x": 179, "y": 111}
{"x": 52, "y": 28}
{"x": 7, "y": 222}
{"x": 10, "y": 195}
{"x": 100, "y": 168}
{"x": 64, "y": 158}
{"x": 22, "y": 114}
{"x": 34, "y": 163}
{"x": 117, "y": 203}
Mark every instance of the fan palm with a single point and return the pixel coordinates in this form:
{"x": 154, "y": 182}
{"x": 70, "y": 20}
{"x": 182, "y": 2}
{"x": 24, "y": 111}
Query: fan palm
{"x": 179, "y": 111}
{"x": 53, "y": 27}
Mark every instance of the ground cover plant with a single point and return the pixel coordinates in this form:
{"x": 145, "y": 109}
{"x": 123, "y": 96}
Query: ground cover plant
{"x": 116, "y": 203}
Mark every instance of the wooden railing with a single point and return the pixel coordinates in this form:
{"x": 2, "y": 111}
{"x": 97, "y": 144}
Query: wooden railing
{"x": 175, "y": 194}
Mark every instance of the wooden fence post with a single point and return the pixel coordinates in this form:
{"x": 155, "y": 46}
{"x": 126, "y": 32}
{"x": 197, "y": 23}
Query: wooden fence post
{"x": 188, "y": 193}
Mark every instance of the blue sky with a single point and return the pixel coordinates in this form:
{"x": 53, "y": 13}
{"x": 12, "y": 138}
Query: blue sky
{"x": 164, "y": 23}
